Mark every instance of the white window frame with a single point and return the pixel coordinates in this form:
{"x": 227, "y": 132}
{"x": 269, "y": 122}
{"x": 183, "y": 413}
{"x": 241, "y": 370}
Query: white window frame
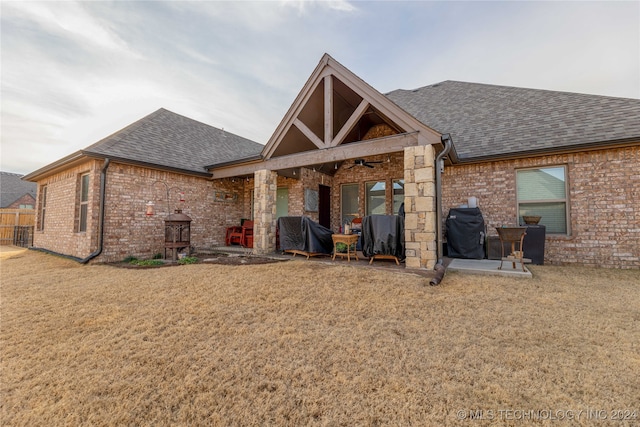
{"x": 83, "y": 205}
{"x": 564, "y": 200}
{"x": 393, "y": 195}
{"x": 42, "y": 207}
{"x": 366, "y": 195}
{"x": 343, "y": 215}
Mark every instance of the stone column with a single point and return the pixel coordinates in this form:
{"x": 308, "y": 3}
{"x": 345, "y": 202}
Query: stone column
{"x": 420, "y": 207}
{"x": 264, "y": 227}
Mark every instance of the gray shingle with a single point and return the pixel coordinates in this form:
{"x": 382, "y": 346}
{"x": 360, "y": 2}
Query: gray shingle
{"x": 12, "y": 187}
{"x": 168, "y": 139}
{"x": 490, "y": 121}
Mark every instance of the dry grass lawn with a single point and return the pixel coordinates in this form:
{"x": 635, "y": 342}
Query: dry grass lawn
{"x": 305, "y": 343}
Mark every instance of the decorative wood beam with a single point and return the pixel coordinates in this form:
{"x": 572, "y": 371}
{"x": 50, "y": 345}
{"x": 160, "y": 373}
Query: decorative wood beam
{"x": 386, "y": 145}
{"x": 349, "y": 124}
{"x": 309, "y": 133}
{"x": 328, "y": 110}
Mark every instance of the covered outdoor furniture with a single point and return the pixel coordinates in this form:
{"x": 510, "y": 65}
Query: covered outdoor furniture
{"x": 383, "y": 237}
{"x": 465, "y": 233}
{"x": 301, "y": 235}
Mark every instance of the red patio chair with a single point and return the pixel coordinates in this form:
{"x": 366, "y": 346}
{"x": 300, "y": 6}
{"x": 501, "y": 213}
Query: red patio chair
{"x": 246, "y": 239}
{"x": 234, "y": 236}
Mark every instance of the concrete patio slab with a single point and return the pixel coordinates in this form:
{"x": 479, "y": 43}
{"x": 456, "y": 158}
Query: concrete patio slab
{"x": 488, "y": 267}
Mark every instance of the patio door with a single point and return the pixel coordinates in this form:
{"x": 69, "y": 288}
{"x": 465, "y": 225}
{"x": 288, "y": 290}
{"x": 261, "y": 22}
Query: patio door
{"x": 282, "y": 202}
{"x": 324, "y": 206}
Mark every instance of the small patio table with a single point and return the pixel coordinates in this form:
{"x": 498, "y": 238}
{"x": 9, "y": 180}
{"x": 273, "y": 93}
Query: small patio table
{"x": 347, "y": 239}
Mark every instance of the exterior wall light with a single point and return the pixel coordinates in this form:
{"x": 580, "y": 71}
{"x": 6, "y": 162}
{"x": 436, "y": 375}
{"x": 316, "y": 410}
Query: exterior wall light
{"x": 149, "y": 211}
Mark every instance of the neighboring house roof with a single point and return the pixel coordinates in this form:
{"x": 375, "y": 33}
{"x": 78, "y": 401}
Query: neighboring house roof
{"x": 168, "y": 139}
{"x": 12, "y": 187}
{"x": 488, "y": 121}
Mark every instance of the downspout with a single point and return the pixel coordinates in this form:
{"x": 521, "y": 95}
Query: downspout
{"x": 103, "y": 186}
{"x": 439, "y": 165}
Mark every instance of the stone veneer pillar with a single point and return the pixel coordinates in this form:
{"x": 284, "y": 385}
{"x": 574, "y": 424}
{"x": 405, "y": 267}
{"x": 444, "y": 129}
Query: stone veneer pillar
{"x": 264, "y": 226}
{"x": 420, "y": 207}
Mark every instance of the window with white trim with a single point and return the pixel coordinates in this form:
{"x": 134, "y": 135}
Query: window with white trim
{"x": 83, "y": 203}
{"x": 349, "y": 201}
{"x": 42, "y": 207}
{"x": 543, "y": 192}
{"x": 398, "y": 194}
{"x": 375, "y": 198}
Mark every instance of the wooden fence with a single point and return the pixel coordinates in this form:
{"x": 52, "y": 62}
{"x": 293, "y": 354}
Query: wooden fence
{"x": 16, "y": 226}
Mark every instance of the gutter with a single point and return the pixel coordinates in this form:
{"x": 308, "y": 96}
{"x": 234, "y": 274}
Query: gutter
{"x": 439, "y": 165}
{"x": 103, "y": 185}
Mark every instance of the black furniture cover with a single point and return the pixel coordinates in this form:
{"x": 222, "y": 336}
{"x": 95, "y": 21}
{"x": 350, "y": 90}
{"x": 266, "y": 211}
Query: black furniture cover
{"x": 300, "y": 233}
{"x": 465, "y": 233}
{"x": 383, "y": 235}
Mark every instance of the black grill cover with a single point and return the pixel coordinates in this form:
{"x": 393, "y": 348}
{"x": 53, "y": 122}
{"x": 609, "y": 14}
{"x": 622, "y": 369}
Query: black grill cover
{"x": 302, "y": 234}
{"x": 465, "y": 233}
{"x": 383, "y": 235}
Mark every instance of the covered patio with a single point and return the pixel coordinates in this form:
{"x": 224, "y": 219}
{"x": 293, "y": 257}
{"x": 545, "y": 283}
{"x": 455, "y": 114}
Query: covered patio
{"x": 342, "y": 151}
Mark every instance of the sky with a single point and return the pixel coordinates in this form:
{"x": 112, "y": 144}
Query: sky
{"x": 74, "y": 72}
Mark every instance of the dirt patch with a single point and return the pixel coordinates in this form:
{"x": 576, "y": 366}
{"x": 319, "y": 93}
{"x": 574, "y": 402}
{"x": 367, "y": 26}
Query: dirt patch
{"x": 221, "y": 259}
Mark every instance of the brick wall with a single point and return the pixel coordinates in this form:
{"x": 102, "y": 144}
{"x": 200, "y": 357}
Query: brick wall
{"x": 59, "y": 233}
{"x": 604, "y": 198}
{"x": 25, "y": 200}
{"x": 390, "y": 169}
{"x": 127, "y": 230}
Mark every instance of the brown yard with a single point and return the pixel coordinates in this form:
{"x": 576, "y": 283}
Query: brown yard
{"x": 305, "y": 343}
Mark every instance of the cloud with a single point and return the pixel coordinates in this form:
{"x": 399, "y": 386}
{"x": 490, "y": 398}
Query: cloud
{"x": 70, "y": 20}
{"x": 302, "y": 5}
{"x": 74, "y": 72}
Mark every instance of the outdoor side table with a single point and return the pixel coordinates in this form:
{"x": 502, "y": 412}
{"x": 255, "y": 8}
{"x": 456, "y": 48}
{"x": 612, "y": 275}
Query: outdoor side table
{"x": 347, "y": 239}
{"x": 512, "y": 235}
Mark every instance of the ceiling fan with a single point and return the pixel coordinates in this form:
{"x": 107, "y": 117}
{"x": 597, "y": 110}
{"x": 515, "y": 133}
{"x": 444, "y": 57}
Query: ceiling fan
{"x": 363, "y": 162}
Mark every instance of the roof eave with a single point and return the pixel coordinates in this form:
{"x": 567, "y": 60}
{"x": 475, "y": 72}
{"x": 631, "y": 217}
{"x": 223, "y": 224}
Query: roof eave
{"x": 123, "y": 160}
{"x": 591, "y": 146}
{"x": 257, "y": 157}
{"x": 56, "y": 166}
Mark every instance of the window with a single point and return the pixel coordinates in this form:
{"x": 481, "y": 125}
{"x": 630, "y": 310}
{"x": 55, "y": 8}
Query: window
{"x": 543, "y": 192}
{"x": 42, "y": 207}
{"x": 282, "y": 202}
{"x": 375, "y": 198}
{"x": 349, "y": 200}
{"x": 398, "y": 195}
{"x": 83, "y": 203}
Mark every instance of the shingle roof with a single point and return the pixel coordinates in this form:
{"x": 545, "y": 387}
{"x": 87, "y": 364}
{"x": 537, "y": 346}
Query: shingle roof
{"x": 12, "y": 187}
{"x": 168, "y": 139}
{"x": 491, "y": 121}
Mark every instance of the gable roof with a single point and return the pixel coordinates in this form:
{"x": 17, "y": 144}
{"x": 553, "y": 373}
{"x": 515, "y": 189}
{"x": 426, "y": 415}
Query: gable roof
{"x": 164, "y": 138}
{"x": 326, "y": 77}
{"x": 489, "y": 121}
{"x": 12, "y": 187}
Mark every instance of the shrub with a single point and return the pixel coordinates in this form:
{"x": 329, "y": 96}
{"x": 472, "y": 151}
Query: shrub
{"x": 187, "y": 260}
{"x": 341, "y": 247}
{"x": 146, "y": 262}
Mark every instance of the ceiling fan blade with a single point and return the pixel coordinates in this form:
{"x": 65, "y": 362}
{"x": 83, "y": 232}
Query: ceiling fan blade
{"x": 367, "y": 165}
{"x": 377, "y": 161}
